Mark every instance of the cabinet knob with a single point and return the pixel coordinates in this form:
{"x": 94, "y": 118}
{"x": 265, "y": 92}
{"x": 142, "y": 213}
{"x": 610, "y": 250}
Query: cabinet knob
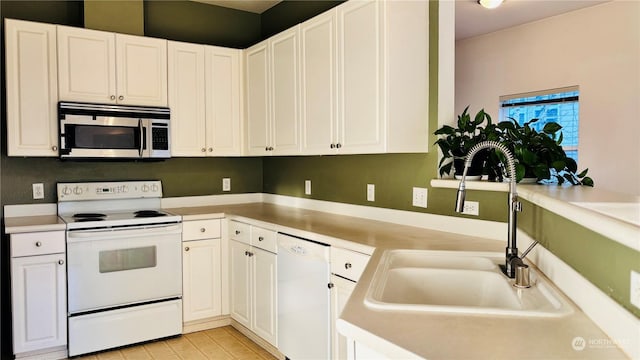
{"x": 347, "y": 266}
{"x": 61, "y": 262}
{"x": 120, "y": 97}
{"x": 54, "y": 148}
{"x": 237, "y": 232}
{"x": 246, "y": 253}
{"x": 250, "y": 254}
{"x": 203, "y": 229}
{"x": 266, "y": 148}
{"x": 203, "y": 150}
{"x": 330, "y": 285}
{"x": 333, "y": 146}
{"x": 210, "y": 149}
{"x": 186, "y": 248}
{"x": 260, "y": 238}
{"x": 338, "y": 145}
{"x": 270, "y": 148}
{"x": 112, "y": 97}
{"x": 38, "y": 243}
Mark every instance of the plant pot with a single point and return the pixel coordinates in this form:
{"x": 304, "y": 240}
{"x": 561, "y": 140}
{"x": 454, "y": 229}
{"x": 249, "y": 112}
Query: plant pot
{"x": 477, "y": 165}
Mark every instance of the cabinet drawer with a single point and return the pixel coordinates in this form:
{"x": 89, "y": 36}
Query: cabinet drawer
{"x": 264, "y": 239}
{"x": 348, "y": 264}
{"x": 200, "y": 229}
{"x": 239, "y": 232}
{"x": 38, "y": 243}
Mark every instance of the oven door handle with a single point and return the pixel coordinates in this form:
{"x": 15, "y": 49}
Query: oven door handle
{"x": 118, "y": 233}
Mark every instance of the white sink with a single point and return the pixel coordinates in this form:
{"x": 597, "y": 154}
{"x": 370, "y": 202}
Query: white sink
{"x": 625, "y": 211}
{"x": 457, "y": 282}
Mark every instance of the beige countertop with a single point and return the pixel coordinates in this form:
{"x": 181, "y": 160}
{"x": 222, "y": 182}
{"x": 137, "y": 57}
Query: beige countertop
{"x": 22, "y": 224}
{"x": 430, "y": 336}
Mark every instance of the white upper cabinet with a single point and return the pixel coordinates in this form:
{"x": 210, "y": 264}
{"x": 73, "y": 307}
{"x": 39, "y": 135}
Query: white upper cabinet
{"x": 32, "y": 89}
{"x": 318, "y": 62}
{"x": 364, "y": 78}
{"x": 186, "y": 72}
{"x": 223, "y": 101}
{"x": 272, "y": 95}
{"x": 204, "y": 97}
{"x": 103, "y": 67}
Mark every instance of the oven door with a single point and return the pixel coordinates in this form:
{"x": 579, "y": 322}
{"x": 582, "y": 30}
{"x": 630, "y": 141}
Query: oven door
{"x": 116, "y": 267}
{"x": 83, "y": 136}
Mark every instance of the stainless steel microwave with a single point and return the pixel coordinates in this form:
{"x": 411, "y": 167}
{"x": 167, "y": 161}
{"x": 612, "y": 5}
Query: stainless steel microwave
{"x": 114, "y": 131}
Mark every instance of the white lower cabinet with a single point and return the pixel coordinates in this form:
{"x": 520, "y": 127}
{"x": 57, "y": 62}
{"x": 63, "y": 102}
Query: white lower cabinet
{"x": 202, "y": 270}
{"x": 346, "y": 268}
{"x": 38, "y": 292}
{"x": 253, "y": 264}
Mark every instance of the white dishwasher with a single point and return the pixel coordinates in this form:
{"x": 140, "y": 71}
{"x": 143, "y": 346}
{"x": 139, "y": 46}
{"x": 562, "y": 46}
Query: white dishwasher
{"x": 303, "y": 298}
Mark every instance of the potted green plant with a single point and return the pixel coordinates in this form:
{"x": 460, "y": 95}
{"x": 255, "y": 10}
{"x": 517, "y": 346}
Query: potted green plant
{"x": 539, "y": 155}
{"x": 455, "y": 142}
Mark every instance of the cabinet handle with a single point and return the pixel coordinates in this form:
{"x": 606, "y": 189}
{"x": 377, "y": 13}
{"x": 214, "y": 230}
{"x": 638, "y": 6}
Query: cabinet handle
{"x": 330, "y": 285}
{"x": 120, "y": 97}
{"x": 203, "y": 150}
{"x": 260, "y": 238}
{"x": 112, "y": 97}
{"x": 38, "y": 243}
{"x": 186, "y": 248}
{"x": 54, "y": 148}
{"x": 210, "y": 149}
{"x": 61, "y": 262}
{"x": 237, "y": 232}
{"x": 338, "y": 145}
{"x": 347, "y": 266}
{"x": 333, "y": 146}
{"x": 203, "y": 229}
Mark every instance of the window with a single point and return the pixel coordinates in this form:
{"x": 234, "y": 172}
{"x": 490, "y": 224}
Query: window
{"x": 559, "y": 106}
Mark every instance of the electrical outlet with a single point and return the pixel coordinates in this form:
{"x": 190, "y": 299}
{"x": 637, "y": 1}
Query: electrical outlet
{"x": 420, "y": 197}
{"x": 38, "y": 191}
{"x": 635, "y": 288}
{"x": 307, "y": 187}
{"x": 371, "y": 192}
{"x": 226, "y": 184}
{"x": 471, "y": 208}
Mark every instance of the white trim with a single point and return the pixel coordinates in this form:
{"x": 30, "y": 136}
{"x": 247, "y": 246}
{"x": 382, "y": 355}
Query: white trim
{"x": 619, "y": 324}
{"x": 210, "y": 200}
{"x": 30, "y": 210}
{"x": 464, "y": 226}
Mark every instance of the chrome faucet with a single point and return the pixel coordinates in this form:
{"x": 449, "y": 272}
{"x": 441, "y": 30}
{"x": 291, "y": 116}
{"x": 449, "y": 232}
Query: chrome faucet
{"x": 511, "y": 252}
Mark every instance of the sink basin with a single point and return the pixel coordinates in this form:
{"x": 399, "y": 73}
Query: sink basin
{"x": 457, "y": 282}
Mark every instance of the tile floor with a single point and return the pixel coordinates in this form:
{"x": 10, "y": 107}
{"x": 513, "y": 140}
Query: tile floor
{"x": 224, "y": 343}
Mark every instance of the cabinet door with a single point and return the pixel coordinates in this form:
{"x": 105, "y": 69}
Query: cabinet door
{"x": 141, "y": 65}
{"x": 39, "y": 306}
{"x": 240, "y": 282}
{"x": 340, "y": 293}
{"x": 32, "y": 89}
{"x": 187, "y": 98}
{"x": 285, "y": 99}
{"x": 222, "y": 71}
{"x": 361, "y": 111}
{"x": 86, "y": 65}
{"x": 201, "y": 279}
{"x": 257, "y": 99}
{"x": 264, "y": 295}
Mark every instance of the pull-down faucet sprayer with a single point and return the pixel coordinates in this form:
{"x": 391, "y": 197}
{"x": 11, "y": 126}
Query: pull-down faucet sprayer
{"x": 511, "y": 251}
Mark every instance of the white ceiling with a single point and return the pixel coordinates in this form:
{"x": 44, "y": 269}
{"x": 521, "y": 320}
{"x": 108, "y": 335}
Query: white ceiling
{"x": 472, "y": 19}
{"x": 254, "y": 6}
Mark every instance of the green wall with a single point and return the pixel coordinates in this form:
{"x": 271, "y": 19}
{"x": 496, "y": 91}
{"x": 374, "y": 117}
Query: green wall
{"x": 98, "y": 15}
{"x": 291, "y": 12}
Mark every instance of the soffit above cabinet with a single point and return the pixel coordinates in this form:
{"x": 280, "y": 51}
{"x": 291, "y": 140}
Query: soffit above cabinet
{"x": 254, "y": 6}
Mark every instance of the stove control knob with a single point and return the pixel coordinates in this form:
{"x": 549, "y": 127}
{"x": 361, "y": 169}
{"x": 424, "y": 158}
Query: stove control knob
{"x": 154, "y": 187}
{"x": 145, "y": 188}
{"x": 77, "y": 190}
{"x": 66, "y": 190}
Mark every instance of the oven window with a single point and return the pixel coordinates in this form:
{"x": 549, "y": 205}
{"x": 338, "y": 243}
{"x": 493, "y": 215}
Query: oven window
{"x": 106, "y": 137}
{"x": 127, "y": 259}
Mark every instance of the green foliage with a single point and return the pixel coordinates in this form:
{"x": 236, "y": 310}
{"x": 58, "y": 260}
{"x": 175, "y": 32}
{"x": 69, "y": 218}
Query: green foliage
{"x": 539, "y": 154}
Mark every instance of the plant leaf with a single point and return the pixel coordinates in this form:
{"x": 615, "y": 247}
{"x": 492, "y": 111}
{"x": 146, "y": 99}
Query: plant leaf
{"x": 551, "y": 128}
{"x": 587, "y": 181}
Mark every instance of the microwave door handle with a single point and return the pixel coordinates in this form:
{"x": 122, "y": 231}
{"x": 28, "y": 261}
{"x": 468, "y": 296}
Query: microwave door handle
{"x": 141, "y": 128}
